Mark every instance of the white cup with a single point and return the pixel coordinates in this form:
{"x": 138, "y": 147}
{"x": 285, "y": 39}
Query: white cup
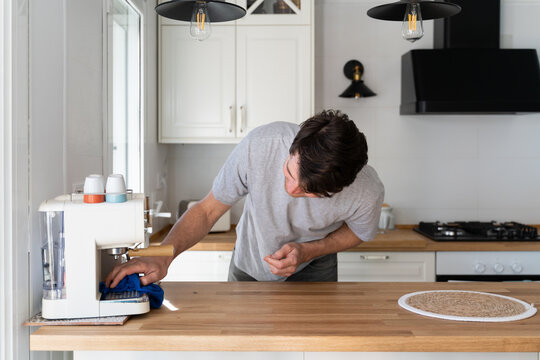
{"x": 116, "y": 189}
{"x": 116, "y": 184}
{"x": 94, "y": 184}
{"x": 94, "y": 189}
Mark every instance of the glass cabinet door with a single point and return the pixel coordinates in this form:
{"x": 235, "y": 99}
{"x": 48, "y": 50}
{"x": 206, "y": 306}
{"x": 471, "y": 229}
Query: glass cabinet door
{"x": 276, "y": 12}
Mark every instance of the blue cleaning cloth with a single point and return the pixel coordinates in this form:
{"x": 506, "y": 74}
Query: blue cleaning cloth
{"x": 132, "y": 282}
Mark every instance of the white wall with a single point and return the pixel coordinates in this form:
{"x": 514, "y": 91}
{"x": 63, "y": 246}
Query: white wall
{"x": 47, "y": 80}
{"x": 192, "y": 169}
{"x": 434, "y": 167}
{"x": 56, "y": 136}
{"x": 14, "y": 136}
{"x": 84, "y": 88}
{"x": 155, "y": 154}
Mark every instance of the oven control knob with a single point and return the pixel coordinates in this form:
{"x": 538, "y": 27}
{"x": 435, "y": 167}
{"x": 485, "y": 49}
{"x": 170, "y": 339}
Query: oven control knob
{"x": 517, "y": 268}
{"x": 499, "y": 268}
{"x": 479, "y": 268}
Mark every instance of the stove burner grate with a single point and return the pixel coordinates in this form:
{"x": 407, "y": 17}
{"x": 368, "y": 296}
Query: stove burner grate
{"x": 478, "y": 231}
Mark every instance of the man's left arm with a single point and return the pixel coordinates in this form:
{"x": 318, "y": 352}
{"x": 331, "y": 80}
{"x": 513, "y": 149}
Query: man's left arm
{"x": 285, "y": 261}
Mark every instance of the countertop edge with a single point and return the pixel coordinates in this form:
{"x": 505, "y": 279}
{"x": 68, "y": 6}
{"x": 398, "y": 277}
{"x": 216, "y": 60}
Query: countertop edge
{"x": 288, "y": 343}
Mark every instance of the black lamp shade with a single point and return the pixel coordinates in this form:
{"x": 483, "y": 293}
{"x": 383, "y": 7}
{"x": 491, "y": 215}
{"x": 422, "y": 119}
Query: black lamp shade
{"x": 430, "y": 10}
{"x": 357, "y": 89}
{"x": 218, "y": 11}
{"x": 353, "y": 70}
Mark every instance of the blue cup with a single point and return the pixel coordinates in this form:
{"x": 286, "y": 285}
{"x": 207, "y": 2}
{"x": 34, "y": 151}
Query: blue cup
{"x": 115, "y": 198}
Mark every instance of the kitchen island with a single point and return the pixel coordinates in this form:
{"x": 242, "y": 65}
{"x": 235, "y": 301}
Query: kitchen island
{"x": 302, "y": 318}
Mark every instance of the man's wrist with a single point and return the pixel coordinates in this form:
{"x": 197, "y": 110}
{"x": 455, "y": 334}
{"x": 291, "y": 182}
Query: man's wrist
{"x": 309, "y": 251}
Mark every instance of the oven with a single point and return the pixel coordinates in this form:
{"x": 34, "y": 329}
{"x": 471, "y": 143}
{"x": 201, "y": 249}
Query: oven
{"x": 483, "y": 265}
{"x": 487, "y": 266}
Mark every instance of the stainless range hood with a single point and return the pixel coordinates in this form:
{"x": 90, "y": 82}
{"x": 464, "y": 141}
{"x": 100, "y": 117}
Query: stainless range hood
{"x": 467, "y": 72}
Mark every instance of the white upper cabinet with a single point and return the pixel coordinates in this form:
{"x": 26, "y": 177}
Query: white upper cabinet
{"x": 197, "y": 85}
{"x": 272, "y": 12}
{"x": 273, "y": 74}
{"x": 243, "y": 76}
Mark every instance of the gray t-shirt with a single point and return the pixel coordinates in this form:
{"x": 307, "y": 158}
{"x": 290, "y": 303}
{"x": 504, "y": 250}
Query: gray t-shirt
{"x": 272, "y": 217}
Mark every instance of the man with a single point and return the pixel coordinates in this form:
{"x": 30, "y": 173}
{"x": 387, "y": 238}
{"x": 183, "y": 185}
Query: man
{"x": 309, "y": 194}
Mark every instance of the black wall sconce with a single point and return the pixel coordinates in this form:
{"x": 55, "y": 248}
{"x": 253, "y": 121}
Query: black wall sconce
{"x": 412, "y": 12}
{"x": 353, "y": 70}
{"x": 200, "y": 13}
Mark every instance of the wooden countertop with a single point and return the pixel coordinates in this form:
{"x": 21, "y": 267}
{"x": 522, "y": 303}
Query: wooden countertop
{"x": 402, "y": 239}
{"x": 309, "y": 317}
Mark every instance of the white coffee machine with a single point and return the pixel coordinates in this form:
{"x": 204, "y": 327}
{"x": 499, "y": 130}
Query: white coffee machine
{"x": 74, "y": 233}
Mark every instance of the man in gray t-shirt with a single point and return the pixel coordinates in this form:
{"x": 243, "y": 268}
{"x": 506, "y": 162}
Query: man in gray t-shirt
{"x": 308, "y": 195}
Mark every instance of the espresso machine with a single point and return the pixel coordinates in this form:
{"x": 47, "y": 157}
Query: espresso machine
{"x": 77, "y": 235}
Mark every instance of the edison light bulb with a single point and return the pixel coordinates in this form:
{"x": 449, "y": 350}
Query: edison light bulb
{"x": 200, "y": 27}
{"x": 412, "y": 28}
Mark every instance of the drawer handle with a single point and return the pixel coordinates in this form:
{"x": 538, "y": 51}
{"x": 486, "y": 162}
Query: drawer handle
{"x": 374, "y": 257}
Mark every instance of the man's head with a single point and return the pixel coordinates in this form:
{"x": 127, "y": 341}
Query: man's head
{"x": 325, "y": 156}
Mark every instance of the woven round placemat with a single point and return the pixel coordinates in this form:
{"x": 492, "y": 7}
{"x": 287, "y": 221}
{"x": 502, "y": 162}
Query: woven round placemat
{"x": 466, "y": 305}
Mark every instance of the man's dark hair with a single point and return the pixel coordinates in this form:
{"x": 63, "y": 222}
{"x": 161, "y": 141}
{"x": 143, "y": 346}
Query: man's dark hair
{"x": 331, "y": 152}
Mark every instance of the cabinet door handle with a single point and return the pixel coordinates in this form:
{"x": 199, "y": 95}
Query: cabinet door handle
{"x": 231, "y": 119}
{"x": 242, "y": 119}
{"x": 374, "y": 257}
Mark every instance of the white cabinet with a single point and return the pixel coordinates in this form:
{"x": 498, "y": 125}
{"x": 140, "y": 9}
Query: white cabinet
{"x": 197, "y": 84}
{"x": 187, "y": 355}
{"x": 236, "y": 355}
{"x": 419, "y": 356}
{"x": 200, "y": 266}
{"x": 274, "y": 75}
{"x": 352, "y": 266}
{"x": 386, "y": 266}
{"x": 243, "y": 76}
{"x": 271, "y": 12}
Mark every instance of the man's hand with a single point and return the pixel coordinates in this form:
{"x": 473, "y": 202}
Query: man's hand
{"x": 154, "y": 269}
{"x": 285, "y": 261}
{"x": 194, "y": 224}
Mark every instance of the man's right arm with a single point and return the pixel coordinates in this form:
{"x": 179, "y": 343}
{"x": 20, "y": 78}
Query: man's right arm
{"x": 186, "y": 232}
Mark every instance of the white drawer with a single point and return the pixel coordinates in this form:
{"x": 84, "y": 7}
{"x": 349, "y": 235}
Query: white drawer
{"x": 200, "y": 266}
{"x": 386, "y": 266}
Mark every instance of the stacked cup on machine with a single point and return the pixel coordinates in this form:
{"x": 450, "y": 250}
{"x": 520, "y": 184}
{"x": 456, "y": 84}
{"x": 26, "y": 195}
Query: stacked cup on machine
{"x": 115, "y": 191}
{"x": 95, "y": 190}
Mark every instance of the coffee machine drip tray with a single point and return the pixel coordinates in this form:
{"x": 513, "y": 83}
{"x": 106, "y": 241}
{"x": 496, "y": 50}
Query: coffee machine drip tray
{"x": 125, "y": 296}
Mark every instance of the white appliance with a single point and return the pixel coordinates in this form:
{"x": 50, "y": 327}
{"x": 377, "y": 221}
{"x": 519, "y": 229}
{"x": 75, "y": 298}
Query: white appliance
{"x": 487, "y": 266}
{"x": 73, "y": 235}
{"x": 223, "y": 224}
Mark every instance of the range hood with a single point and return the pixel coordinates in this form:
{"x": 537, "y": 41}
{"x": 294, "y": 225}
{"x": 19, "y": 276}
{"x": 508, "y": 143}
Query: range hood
{"x": 467, "y": 72}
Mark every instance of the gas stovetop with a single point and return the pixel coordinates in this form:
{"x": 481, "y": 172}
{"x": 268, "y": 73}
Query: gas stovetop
{"x": 478, "y": 231}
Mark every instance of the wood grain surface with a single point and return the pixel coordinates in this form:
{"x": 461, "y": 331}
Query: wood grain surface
{"x": 404, "y": 239}
{"x": 309, "y": 317}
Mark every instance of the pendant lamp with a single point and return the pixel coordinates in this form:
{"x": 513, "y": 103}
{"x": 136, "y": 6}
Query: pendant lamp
{"x": 201, "y": 13}
{"x": 353, "y": 70}
{"x": 412, "y": 13}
